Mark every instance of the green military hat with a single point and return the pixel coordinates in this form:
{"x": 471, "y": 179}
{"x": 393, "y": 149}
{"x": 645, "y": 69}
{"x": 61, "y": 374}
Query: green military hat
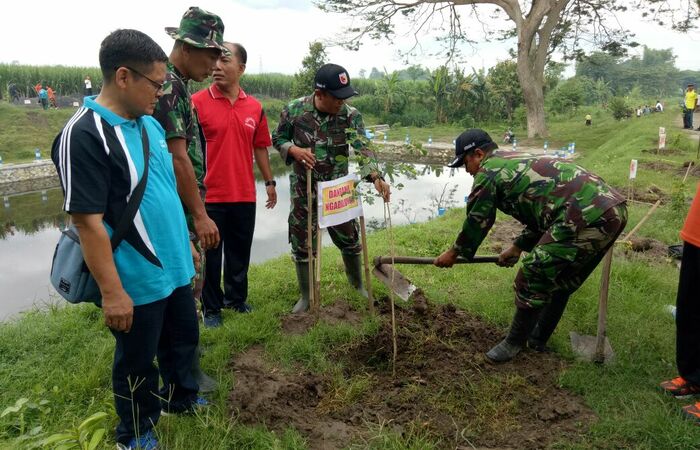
{"x": 200, "y": 29}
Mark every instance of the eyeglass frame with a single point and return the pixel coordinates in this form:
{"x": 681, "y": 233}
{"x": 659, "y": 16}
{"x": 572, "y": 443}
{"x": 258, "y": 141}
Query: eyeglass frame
{"x": 159, "y": 86}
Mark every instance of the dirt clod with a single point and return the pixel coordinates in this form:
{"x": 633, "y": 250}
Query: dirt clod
{"x": 443, "y": 389}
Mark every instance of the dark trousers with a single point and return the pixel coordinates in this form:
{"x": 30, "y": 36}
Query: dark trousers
{"x": 687, "y": 118}
{"x": 236, "y": 223}
{"x": 688, "y": 315}
{"x": 167, "y": 329}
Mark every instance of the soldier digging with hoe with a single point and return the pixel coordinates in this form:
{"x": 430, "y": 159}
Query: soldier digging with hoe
{"x": 571, "y": 218}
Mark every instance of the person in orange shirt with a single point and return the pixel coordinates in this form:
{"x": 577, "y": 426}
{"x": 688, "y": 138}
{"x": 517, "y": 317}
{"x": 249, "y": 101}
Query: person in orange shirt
{"x": 687, "y": 384}
{"x": 52, "y": 97}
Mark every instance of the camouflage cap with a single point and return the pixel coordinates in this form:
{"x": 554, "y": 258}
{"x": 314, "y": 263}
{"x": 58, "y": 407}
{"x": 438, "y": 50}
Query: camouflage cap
{"x": 200, "y": 29}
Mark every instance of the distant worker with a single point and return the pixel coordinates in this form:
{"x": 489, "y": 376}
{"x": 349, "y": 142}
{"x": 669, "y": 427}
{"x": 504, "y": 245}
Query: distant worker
{"x": 589, "y": 120}
{"x": 14, "y": 93}
{"x": 44, "y": 98}
{"x": 88, "y": 86}
{"x": 52, "y": 97}
{"x": 689, "y": 104}
{"x": 508, "y": 136}
{"x": 659, "y": 107}
{"x": 571, "y": 218}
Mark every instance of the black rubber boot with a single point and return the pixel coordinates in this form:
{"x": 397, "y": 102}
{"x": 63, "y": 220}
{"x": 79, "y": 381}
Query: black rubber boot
{"x": 547, "y": 323}
{"x": 523, "y": 323}
{"x": 302, "y": 304}
{"x": 206, "y": 383}
{"x": 353, "y": 270}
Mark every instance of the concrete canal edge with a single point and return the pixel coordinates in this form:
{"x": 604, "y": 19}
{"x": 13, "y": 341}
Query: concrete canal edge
{"x": 27, "y": 177}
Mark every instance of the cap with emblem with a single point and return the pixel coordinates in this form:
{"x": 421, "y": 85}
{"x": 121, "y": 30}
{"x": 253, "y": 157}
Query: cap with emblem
{"x": 334, "y": 79}
{"x": 469, "y": 141}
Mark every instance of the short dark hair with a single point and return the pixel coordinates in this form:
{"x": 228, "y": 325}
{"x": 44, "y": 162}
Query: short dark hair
{"x": 240, "y": 52}
{"x": 126, "y": 47}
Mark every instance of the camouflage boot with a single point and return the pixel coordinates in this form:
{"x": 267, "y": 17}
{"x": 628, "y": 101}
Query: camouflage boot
{"x": 523, "y": 323}
{"x": 547, "y": 323}
{"x": 353, "y": 270}
{"x": 302, "y": 304}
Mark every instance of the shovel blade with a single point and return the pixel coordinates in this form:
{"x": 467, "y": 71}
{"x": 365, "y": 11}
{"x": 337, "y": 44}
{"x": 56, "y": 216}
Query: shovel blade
{"x": 401, "y": 285}
{"x": 585, "y": 348}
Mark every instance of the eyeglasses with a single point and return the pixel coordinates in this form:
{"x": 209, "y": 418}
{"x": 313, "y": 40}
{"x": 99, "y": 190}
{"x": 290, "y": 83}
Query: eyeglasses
{"x": 155, "y": 84}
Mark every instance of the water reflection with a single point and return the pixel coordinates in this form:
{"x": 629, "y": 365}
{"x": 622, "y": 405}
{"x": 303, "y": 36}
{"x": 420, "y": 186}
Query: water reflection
{"x": 30, "y": 226}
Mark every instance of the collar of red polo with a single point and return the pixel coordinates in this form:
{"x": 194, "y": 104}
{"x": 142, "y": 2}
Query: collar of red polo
{"x": 216, "y": 93}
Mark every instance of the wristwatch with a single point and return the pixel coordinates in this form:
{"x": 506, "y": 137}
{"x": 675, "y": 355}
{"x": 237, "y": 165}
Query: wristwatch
{"x": 270, "y": 183}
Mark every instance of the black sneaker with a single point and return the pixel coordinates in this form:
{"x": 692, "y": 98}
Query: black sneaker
{"x": 243, "y": 308}
{"x": 212, "y": 320}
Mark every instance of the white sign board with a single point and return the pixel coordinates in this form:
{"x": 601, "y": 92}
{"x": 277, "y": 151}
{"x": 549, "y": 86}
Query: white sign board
{"x": 662, "y": 141}
{"x": 633, "y": 169}
{"x": 27, "y": 101}
{"x": 338, "y": 201}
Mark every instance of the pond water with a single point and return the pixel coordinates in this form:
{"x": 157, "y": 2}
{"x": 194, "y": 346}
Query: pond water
{"x": 30, "y": 226}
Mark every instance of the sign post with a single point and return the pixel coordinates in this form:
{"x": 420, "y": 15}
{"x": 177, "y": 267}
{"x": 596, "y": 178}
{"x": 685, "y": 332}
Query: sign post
{"x": 662, "y": 138}
{"x": 309, "y": 243}
{"x": 338, "y": 202}
{"x": 632, "y": 177}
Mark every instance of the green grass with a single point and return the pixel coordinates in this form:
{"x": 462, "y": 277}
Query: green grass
{"x": 24, "y": 129}
{"x": 70, "y": 349}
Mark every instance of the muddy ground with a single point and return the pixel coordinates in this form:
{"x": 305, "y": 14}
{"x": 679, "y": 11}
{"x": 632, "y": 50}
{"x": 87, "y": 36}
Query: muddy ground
{"x": 443, "y": 389}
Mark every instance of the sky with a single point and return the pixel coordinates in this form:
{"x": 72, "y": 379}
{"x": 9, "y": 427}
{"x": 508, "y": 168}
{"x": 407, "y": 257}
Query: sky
{"x": 276, "y": 34}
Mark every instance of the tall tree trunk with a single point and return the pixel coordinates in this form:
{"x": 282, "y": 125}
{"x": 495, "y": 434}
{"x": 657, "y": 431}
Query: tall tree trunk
{"x": 533, "y": 96}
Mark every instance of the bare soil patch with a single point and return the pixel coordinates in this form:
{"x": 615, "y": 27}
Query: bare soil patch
{"x": 338, "y": 312}
{"x": 503, "y": 233}
{"x": 444, "y": 389}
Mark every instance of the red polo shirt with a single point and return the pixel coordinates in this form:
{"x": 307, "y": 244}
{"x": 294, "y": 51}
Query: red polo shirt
{"x": 231, "y": 132}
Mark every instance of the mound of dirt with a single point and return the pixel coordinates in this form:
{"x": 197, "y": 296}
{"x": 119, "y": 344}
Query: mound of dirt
{"x": 443, "y": 389}
{"x": 648, "y": 248}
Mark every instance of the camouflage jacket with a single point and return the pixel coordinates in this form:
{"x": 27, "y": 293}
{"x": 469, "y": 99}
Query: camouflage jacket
{"x": 538, "y": 192}
{"x": 176, "y": 114}
{"x": 328, "y": 136}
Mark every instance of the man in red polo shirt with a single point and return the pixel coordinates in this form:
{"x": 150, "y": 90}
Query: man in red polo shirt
{"x": 235, "y": 128}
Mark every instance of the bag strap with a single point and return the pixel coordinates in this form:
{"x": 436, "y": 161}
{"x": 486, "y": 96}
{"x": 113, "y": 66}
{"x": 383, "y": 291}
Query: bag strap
{"x": 135, "y": 201}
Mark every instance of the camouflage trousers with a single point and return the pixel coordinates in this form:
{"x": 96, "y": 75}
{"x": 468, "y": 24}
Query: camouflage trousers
{"x": 345, "y": 236}
{"x": 564, "y": 257}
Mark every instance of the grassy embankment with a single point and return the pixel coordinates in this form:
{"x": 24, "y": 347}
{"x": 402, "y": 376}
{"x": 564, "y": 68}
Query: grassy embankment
{"x": 70, "y": 349}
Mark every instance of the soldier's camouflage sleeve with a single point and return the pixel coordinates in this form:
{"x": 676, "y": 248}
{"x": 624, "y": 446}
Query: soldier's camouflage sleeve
{"x": 481, "y": 214}
{"x": 172, "y": 109}
{"x": 528, "y": 239}
{"x": 283, "y": 135}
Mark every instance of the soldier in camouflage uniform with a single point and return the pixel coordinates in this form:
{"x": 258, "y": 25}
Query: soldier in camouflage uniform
{"x": 571, "y": 219}
{"x": 315, "y": 132}
{"x": 198, "y": 44}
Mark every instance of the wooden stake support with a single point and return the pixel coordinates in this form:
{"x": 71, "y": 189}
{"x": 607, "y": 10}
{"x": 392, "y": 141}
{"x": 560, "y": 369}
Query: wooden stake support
{"x": 365, "y": 257}
{"x": 309, "y": 239}
{"x": 317, "y": 264}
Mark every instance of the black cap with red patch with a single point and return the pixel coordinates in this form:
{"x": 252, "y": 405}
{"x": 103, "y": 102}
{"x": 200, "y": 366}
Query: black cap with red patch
{"x": 469, "y": 141}
{"x": 334, "y": 79}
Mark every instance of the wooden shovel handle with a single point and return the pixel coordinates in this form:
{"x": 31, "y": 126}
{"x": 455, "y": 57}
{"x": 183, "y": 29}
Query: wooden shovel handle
{"x": 429, "y": 260}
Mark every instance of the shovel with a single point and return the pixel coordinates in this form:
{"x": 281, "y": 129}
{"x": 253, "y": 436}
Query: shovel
{"x": 402, "y": 286}
{"x": 597, "y": 348}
